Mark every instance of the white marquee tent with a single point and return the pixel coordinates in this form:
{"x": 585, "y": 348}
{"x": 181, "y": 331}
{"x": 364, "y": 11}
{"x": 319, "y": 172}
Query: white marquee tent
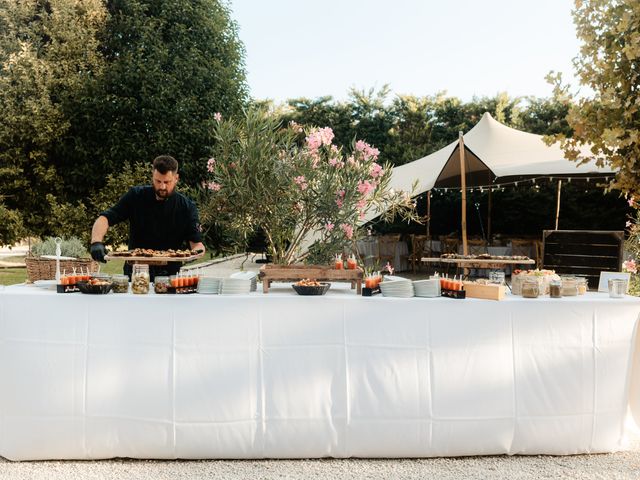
{"x": 494, "y": 154}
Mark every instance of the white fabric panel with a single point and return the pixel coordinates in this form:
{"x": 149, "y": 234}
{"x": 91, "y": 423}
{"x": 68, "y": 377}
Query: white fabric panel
{"x": 504, "y": 150}
{"x": 283, "y": 376}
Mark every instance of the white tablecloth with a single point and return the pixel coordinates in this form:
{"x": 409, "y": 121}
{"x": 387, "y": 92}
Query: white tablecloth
{"x": 285, "y": 376}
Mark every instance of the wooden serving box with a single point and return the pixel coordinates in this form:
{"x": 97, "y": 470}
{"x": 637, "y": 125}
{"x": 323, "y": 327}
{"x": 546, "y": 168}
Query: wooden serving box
{"x": 292, "y": 273}
{"x": 487, "y": 292}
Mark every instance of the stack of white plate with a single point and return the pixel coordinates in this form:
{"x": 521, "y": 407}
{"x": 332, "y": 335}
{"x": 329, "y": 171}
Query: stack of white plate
{"x": 235, "y": 285}
{"x": 210, "y": 285}
{"x": 427, "y": 288}
{"x": 252, "y": 276}
{"x": 396, "y": 287}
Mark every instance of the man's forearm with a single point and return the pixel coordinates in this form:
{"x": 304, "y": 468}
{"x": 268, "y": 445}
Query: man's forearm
{"x": 100, "y": 227}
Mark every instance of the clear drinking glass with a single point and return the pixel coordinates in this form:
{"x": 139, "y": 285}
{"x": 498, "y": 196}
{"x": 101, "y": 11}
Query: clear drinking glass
{"x": 617, "y": 287}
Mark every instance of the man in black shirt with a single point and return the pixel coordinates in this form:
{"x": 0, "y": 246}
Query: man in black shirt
{"x": 159, "y": 218}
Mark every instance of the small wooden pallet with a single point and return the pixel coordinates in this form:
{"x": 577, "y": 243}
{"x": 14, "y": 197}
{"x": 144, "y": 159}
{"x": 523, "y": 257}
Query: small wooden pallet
{"x": 292, "y": 273}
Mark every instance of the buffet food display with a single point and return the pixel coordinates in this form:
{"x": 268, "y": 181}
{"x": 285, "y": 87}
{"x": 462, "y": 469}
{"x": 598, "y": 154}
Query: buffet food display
{"x": 161, "y": 255}
{"x": 485, "y": 256}
{"x": 311, "y": 280}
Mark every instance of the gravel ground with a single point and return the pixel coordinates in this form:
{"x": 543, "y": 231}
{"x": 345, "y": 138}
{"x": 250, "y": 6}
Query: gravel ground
{"x": 615, "y": 466}
{"x": 618, "y": 466}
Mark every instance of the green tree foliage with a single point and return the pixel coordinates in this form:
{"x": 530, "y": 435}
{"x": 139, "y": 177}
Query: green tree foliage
{"x": 609, "y": 65}
{"x": 11, "y": 227}
{"x": 47, "y": 54}
{"x": 88, "y": 87}
{"x": 171, "y": 66}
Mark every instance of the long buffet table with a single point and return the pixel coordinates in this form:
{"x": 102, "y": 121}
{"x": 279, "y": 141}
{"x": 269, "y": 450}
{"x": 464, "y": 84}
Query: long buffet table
{"x": 285, "y": 376}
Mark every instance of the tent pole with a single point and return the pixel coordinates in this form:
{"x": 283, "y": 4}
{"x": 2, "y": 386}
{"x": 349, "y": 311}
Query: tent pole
{"x": 558, "y": 203}
{"x": 429, "y": 214}
{"x": 489, "y": 216}
{"x": 463, "y": 184}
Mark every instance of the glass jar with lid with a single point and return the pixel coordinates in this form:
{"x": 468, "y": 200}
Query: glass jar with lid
{"x": 583, "y": 286}
{"x": 140, "y": 279}
{"x": 569, "y": 286}
{"x": 555, "y": 289}
{"x": 120, "y": 284}
{"x": 530, "y": 288}
{"x": 161, "y": 284}
{"x": 617, "y": 287}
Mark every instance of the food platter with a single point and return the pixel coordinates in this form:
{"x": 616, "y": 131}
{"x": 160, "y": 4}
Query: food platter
{"x": 155, "y": 256}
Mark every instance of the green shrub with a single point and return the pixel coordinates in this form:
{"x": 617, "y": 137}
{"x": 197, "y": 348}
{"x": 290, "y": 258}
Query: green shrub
{"x": 70, "y": 247}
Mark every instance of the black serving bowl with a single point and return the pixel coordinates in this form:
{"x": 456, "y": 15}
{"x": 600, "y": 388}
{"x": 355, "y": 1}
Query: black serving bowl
{"x": 312, "y": 290}
{"x": 86, "y": 287}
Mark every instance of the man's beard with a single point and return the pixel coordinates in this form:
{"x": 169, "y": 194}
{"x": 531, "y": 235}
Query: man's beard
{"x": 162, "y": 194}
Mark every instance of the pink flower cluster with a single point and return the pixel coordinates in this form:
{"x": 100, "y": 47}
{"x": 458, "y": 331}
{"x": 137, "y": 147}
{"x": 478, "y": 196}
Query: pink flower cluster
{"x": 213, "y": 186}
{"x": 630, "y": 266}
{"x": 376, "y": 170}
{"x": 347, "y": 229}
{"x": 367, "y": 150}
{"x": 334, "y": 162}
{"x": 217, "y": 117}
{"x": 211, "y": 164}
{"x": 365, "y": 187}
{"x": 301, "y": 182}
{"x": 329, "y": 226}
{"x": 319, "y": 137}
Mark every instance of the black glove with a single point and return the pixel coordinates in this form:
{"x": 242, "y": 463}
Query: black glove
{"x": 98, "y": 252}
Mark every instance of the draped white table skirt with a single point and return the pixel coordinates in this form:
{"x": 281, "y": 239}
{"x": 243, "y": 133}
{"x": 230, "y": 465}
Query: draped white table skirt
{"x": 283, "y": 376}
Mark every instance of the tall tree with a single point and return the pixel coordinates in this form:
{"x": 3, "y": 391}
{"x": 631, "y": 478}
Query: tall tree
{"x": 171, "y": 66}
{"x": 47, "y": 53}
{"x": 609, "y": 65}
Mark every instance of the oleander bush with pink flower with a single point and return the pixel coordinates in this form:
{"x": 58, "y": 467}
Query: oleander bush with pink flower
{"x": 309, "y": 197}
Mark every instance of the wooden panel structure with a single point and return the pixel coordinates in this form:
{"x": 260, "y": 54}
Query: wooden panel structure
{"x": 583, "y": 252}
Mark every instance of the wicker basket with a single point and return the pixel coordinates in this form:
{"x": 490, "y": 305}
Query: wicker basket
{"x": 45, "y": 268}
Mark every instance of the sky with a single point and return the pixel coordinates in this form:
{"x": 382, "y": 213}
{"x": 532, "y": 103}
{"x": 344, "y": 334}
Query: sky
{"x": 301, "y": 48}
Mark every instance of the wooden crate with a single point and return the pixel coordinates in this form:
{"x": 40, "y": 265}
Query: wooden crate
{"x": 292, "y": 273}
{"x": 583, "y": 252}
{"x": 488, "y": 292}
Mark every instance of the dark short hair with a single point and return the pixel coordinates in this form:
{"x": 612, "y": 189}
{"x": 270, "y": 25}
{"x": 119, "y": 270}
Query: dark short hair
{"x": 165, "y": 163}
